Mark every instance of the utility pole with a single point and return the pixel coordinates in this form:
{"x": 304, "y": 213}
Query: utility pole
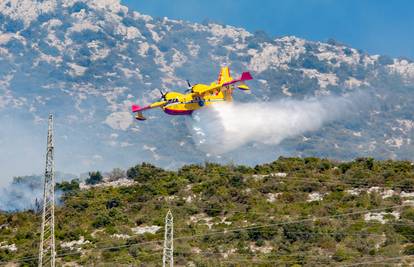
{"x": 47, "y": 236}
{"x": 168, "y": 255}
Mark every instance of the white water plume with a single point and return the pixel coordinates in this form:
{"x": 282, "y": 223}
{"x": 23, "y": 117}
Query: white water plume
{"x": 225, "y": 127}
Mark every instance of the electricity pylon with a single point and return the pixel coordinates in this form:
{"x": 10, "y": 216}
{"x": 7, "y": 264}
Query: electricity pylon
{"x": 168, "y": 255}
{"x": 47, "y": 236}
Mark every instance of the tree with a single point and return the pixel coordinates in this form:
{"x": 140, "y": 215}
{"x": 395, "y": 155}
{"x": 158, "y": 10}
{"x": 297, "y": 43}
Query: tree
{"x": 144, "y": 172}
{"x": 116, "y": 174}
{"x": 66, "y": 186}
{"x": 94, "y": 178}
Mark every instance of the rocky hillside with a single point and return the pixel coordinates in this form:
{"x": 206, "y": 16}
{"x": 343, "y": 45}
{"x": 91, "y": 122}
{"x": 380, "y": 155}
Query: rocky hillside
{"x": 291, "y": 212}
{"x": 87, "y": 61}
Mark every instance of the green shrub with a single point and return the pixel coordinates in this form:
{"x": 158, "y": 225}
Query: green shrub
{"x": 144, "y": 172}
{"x": 297, "y": 232}
{"x": 406, "y": 230}
{"x": 94, "y": 178}
{"x": 112, "y": 203}
{"x": 343, "y": 254}
{"x": 236, "y": 180}
{"x": 68, "y": 186}
{"x": 409, "y": 250}
{"x": 408, "y": 214}
{"x": 214, "y": 207}
{"x": 101, "y": 220}
{"x": 260, "y": 234}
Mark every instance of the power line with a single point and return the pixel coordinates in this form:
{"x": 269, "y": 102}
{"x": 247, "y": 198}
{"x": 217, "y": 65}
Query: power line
{"x": 317, "y": 258}
{"x": 59, "y": 255}
{"x": 269, "y": 213}
{"x": 250, "y": 212}
{"x": 267, "y": 261}
{"x": 332, "y": 181}
{"x": 299, "y": 221}
{"x": 247, "y": 212}
{"x": 159, "y": 241}
{"x": 376, "y": 261}
{"x": 245, "y": 228}
{"x": 296, "y": 254}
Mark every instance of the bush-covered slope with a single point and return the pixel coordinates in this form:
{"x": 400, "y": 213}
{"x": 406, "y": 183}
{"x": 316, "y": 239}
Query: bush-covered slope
{"x": 290, "y": 212}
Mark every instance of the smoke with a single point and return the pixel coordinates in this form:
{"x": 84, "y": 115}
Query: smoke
{"x": 20, "y": 196}
{"x": 26, "y": 193}
{"x": 228, "y": 126}
{"x": 22, "y": 147}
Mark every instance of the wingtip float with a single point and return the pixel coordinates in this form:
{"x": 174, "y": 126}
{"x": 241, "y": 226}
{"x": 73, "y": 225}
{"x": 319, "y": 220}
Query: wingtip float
{"x": 199, "y": 95}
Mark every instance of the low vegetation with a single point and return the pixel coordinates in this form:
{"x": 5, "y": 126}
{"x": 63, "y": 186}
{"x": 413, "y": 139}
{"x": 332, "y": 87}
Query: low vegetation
{"x": 291, "y": 212}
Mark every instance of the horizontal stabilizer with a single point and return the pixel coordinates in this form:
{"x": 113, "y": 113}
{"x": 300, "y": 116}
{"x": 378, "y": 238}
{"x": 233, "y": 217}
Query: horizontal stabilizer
{"x": 136, "y": 108}
{"x": 243, "y": 87}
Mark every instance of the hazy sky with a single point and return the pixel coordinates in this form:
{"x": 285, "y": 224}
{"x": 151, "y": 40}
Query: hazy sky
{"x": 376, "y": 26}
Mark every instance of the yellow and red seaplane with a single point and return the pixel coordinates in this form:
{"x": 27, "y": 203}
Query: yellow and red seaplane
{"x": 199, "y": 95}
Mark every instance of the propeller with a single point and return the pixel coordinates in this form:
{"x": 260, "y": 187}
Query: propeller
{"x": 190, "y": 87}
{"x": 163, "y": 95}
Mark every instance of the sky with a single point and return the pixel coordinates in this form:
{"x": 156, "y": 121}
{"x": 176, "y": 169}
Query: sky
{"x": 375, "y": 26}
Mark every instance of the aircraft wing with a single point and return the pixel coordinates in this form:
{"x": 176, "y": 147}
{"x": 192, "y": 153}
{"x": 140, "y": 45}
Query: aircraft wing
{"x": 138, "y": 109}
{"x": 246, "y": 76}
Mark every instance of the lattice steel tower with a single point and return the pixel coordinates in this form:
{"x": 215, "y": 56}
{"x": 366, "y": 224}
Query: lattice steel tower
{"x": 167, "y": 258}
{"x": 47, "y": 236}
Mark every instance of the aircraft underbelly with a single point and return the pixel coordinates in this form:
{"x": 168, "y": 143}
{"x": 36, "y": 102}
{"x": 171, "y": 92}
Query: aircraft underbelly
{"x": 177, "y": 112}
{"x": 178, "y": 109}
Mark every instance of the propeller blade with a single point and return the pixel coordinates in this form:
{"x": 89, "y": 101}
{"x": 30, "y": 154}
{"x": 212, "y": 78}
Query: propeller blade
{"x": 189, "y": 84}
{"x": 162, "y": 94}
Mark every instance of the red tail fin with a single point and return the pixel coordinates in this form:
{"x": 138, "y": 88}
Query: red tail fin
{"x": 246, "y": 76}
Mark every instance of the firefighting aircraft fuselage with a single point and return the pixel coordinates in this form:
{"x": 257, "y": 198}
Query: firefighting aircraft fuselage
{"x": 200, "y": 95}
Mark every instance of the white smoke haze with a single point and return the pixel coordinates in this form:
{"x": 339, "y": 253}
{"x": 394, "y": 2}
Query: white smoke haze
{"x": 225, "y": 127}
{"x": 26, "y": 193}
{"x": 15, "y": 197}
{"x": 22, "y": 148}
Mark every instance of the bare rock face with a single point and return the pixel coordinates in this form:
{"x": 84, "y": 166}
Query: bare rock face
{"x": 88, "y": 61}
